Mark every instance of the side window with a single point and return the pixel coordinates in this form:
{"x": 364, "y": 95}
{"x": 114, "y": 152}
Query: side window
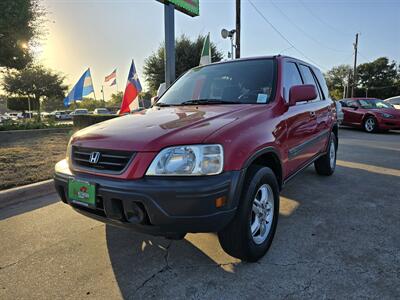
{"x": 291, "y": 77}
{"x": 344, "y": 103}
{"x": 352, "y": 104}
{"x": 309, "y": 79}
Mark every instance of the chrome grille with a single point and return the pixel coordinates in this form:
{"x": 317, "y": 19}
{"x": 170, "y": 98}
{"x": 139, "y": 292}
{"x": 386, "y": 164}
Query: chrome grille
{"x": 114, "y": 161}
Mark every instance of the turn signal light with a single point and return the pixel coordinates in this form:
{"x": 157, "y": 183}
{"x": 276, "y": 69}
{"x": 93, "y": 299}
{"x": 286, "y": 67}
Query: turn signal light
{"x": 219, "y": 202}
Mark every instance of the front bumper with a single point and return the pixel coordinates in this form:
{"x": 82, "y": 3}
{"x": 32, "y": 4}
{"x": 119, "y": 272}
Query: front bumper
{"x": 387, "y": 124}
{"x": 170, "y": 206}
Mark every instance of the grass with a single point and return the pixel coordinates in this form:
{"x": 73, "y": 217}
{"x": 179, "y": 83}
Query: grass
{"x": 31, "y": 159}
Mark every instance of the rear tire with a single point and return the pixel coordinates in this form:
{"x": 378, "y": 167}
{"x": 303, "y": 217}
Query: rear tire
{"x": 370, "y": 125}
{"x": 250, "y": 234}
{"x": 325, "y": 165}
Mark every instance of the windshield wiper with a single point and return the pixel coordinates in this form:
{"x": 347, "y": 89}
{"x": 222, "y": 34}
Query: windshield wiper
{"x": 208, "y": 101}
{"x": 161, "y": 104}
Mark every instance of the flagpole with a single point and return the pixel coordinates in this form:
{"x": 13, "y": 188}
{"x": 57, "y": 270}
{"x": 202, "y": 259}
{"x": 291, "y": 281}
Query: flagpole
{"x": 94, "y": 94}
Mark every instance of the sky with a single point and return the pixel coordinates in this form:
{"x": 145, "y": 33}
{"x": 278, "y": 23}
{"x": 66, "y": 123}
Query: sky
{"x": 106, "y": 34}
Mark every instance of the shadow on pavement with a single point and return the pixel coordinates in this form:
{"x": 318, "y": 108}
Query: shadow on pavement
{"x": 27, "y": 206}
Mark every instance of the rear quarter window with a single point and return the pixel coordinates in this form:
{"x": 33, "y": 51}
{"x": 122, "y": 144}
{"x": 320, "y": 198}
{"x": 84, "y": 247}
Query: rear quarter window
{"x": 322, "y": 83}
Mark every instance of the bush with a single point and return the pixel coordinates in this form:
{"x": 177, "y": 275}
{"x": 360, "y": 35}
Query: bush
{"x": 29, "y": 124}
{"x": 82, "y": 121}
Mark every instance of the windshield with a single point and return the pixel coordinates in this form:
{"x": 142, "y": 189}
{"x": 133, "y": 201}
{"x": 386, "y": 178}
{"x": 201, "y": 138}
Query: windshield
{"x": 374, "y": 103}
{"x": 248, "y": 81}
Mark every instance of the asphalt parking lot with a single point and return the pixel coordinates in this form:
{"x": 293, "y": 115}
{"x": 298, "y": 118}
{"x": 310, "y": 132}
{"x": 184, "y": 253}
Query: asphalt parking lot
{"x": 337, "y": 237}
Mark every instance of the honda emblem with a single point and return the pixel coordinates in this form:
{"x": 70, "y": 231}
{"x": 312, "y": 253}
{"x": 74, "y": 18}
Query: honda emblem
{"x": 94, "y": 157}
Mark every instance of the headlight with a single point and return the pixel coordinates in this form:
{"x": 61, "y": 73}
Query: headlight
{"x": 388, "y": 116}
{"x": 193, "y": 160}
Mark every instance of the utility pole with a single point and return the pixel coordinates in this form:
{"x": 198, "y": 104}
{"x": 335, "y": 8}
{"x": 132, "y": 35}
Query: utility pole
{"x": 355, "y": 67}
{"x": 169, "y": 19}
{"x": 237, "y": 29}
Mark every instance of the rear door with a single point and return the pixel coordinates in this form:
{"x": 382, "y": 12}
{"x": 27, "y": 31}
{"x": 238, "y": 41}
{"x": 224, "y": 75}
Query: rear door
{"x": 321, "y": 108}
{"x": 300, "y": 121}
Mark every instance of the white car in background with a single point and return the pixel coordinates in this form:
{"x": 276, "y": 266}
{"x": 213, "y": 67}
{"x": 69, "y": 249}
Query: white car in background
{"x": 14, "y": 116}
{"x": 101, "y": 111}
{"x": 62, "y": 115}
{"x": 395, "y": 101}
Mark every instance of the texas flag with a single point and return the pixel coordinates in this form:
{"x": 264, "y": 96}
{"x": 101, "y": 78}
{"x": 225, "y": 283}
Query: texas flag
{"x": 132, "y": 90}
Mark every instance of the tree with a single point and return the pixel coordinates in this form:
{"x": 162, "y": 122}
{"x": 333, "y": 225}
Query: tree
{"x": 336, "y": 79}
{"x": 187, "y": 56}
{"x": 19, "y": 24}
{"x": 116, "y": 99}
{"x": 21, "y": 104}
{"x": 88, "y": 103}
{"x": 35, "y": 83}
{"x": 380, "y": 77}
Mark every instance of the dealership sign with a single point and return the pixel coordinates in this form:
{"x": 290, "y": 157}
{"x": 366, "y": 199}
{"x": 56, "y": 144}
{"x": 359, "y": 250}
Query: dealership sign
{"x": 189, "y": 7}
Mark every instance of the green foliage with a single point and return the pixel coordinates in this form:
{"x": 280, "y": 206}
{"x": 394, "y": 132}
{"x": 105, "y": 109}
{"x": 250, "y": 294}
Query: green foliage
{"x": 21, "y": 104}
{"x": 116, "y": 100}
{"x": 336, "y": 78}
{"x": 34, "y": 82}
{"x": 88, "y": 103}
{"x": 30, "y": 124}
{"x": 187, "y": 56}
{"x": 19, "y": 24}
{"x": 82, "y": 121}
{"x": 380, "y": 76}
{"x": 53, "y": 103}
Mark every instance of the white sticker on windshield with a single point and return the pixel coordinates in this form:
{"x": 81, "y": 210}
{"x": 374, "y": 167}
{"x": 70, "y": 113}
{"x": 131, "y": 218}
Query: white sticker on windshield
{"x": 262, "y": 98}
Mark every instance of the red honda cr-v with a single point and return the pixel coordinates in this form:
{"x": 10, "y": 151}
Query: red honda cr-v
{"x": 210, "y": 156}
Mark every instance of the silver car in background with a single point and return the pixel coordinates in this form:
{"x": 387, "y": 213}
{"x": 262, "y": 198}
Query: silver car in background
{"x": 395, "y": 101}
{"x": 339, "y": 112}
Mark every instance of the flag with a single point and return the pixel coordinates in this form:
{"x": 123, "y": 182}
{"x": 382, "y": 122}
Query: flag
{"x": 114, "y": 82}
{"x": 113, "y": 75}
{"x": 132, "y": 90}
{"x": 82, "y": 88}
{"x": 206, "y": 52}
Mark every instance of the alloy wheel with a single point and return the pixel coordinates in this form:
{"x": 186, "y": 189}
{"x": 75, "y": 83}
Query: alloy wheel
{"x": 262, "y": 214}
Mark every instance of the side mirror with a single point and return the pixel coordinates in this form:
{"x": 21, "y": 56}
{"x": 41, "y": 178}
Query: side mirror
{"x": 304, "y": 92}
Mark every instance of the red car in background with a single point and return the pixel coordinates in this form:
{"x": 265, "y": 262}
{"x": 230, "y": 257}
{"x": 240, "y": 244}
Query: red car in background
{"x": 371, "y": 114}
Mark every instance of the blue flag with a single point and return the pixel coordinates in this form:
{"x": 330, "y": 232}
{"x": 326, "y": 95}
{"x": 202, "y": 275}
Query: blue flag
{"x": 82, "y": 88}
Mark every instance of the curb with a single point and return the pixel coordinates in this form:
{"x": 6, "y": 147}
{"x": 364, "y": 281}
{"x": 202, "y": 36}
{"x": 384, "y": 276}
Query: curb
{"x": 26, "y": 192}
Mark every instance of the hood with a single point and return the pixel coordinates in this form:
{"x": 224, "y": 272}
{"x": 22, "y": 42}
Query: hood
{"x": 156, "y": 128}
{"x": 392, "y": 111}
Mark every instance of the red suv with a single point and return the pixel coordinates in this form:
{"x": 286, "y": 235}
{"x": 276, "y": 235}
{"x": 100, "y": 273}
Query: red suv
{"x": 210, "y": 156}
{"x": 371, "y": 114}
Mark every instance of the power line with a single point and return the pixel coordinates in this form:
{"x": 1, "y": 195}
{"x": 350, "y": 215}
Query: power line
{"x": 303, "y": 31}
{"x": 282, "y": 36}
{"x": 316, "y": 16}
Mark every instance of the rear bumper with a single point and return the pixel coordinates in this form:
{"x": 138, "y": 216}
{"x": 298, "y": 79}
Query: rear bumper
{"x": 169, "y": 205}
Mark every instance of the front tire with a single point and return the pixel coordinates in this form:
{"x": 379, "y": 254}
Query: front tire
{"x": 370, "y": 125}
{"x": 250, "y": 234}
{"x": 326, "y": 165}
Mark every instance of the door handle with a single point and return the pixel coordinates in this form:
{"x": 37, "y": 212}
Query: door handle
{"x": 312, "y": 114}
